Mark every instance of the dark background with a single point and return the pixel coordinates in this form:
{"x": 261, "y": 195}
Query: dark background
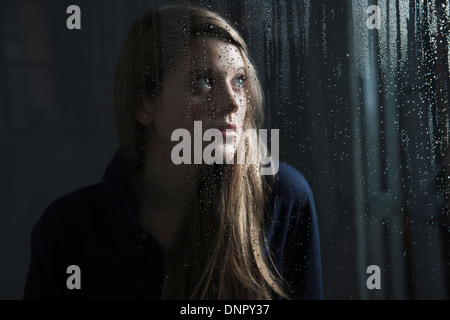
{"x": 363, "y": 115}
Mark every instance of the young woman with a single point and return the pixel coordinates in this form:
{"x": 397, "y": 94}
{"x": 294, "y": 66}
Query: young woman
{"x": 158, "y": 229}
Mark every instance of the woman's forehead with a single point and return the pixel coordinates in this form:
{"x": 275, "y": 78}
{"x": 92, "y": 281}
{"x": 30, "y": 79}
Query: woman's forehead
{"x": 213, "y": 54}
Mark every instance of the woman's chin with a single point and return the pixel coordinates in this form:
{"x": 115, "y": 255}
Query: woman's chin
{"x": 223, "y": 153}
{"x": 228, "y": 153}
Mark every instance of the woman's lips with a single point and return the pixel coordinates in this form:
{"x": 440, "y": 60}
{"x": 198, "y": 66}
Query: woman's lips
{"x": 228, "y": 130}
{"x": 229, "y": 133}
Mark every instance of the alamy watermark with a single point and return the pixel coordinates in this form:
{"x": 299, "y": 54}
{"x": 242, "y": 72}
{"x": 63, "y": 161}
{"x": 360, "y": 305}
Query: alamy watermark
{"x": 373, "y": 21}
{"x": 74, "y": 20}
{"x": 74, "y": 280}
{"x": 212, "y": 153}
{"x": 374, "y": 280}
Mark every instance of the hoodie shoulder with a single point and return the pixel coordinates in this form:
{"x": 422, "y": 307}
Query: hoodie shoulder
{"x": 290, "y": 182}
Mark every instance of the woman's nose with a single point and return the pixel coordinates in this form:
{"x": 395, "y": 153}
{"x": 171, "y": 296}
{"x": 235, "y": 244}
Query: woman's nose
{"x": 226, "y": 100}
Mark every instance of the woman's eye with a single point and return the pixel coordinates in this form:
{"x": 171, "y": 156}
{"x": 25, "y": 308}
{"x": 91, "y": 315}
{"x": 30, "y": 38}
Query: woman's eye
{"x": 203, "y": 81}
{"x": 239, "y": 81}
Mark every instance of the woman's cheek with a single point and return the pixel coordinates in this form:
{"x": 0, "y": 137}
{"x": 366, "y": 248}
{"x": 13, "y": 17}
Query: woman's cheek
{"x": 197, "y": 110}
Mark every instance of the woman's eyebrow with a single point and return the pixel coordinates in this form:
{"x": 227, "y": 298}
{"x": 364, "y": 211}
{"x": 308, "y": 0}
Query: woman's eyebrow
{"x": 213, "y": 71}
{"x": 200, "y": 71}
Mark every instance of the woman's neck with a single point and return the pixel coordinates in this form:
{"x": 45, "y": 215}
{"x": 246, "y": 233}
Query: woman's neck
{"x": 167, "y": 192}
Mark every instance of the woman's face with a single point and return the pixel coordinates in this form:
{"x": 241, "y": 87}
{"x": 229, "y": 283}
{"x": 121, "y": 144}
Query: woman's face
{"x": 206, "y": 85}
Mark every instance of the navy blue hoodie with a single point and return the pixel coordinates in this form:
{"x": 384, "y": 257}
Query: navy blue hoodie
{"x": 96, "y": 228}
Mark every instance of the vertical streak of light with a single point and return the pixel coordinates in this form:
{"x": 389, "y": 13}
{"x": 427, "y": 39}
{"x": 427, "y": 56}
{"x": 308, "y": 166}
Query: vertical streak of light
{"x": 404, "y": 17}
{"x": 360, "y": 35}
{"x": 356, "y": 118}
{"x": 307, "y": 16}
{"x": 382, "y": 40}
{"x": 431, "y": 57}
{"x": 393, "y": 54}
{"x": 447, "y": 14}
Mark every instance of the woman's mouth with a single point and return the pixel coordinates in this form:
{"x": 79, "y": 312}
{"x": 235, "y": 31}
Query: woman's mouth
{"x": 228, "y": 130}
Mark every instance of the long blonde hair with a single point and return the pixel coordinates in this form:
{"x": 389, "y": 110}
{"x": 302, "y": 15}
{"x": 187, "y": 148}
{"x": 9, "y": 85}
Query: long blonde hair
{"x": 219, "y": 250}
